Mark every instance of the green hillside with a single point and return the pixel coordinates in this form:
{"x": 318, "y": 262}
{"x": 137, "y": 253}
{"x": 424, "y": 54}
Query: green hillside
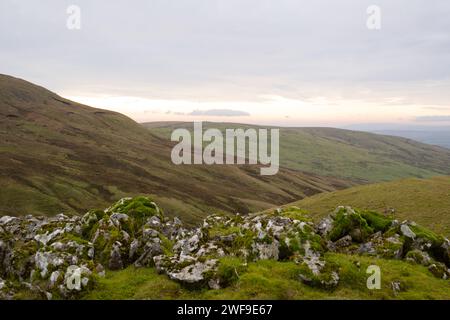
{"x": 426, "y": 201}
{"x": 354, "y": 155}
{"x": 60, "y": 156}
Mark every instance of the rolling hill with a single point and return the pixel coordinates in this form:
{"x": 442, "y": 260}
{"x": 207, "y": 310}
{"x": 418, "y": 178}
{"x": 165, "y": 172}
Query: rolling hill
{"x": 426, "y": 201}
{"x": 60, "y": 156}
{"x": 353, "y": 155}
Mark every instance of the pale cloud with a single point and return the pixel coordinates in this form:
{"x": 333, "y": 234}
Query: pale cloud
{"x": 220, "y": 113}
{"x": 268, "y": 110}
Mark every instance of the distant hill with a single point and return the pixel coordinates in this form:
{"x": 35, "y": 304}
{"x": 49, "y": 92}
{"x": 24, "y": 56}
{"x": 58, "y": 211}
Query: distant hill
{"x": 426, "y": 201}
{"x": 58, "y": 155}
{"x": 437, "y": 134}
{"x": 435, "y": 137}
{"x": 354, "y": 155}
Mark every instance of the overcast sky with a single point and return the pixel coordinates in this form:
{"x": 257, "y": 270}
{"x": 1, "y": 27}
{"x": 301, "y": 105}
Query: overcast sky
{"x": 283, "y": 62}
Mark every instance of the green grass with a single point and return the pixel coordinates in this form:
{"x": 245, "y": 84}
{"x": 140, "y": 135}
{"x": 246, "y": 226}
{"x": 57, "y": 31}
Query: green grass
{"x": 279, "y": 280}
{"x": 425, "y": 201}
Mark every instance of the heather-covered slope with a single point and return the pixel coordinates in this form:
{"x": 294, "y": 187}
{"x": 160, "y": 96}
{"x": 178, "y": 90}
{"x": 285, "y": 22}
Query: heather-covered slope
{"x": 60, "y": 156}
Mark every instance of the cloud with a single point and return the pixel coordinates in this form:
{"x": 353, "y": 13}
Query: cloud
{"x": 175, "y": 113}
{"x": 433, "y": 118}
{"x": 220, "y": 113}
{"x": 227, "y": 51}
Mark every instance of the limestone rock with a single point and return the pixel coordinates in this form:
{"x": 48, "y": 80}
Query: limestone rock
{"x": 407, "y": 232}
{"x": 194, "y": 273}
{"x": 115, "y": 261}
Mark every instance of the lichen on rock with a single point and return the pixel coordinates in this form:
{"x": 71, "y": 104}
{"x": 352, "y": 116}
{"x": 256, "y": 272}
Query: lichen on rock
{"x": 62, "y": 256}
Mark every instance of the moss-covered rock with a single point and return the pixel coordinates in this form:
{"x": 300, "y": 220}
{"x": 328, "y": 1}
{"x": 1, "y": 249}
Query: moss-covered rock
{"x": 38, "y": 252}
{"x": 418, "y": 257}
{"x": 377, "y": 221}
{"x": 138, "y": 208}
{"x": 439, "y": 270}
{"x": 327, "y": 278}
{"x": 347, "y": 221}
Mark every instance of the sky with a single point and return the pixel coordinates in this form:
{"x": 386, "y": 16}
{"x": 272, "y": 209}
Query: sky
{"x": 278, "y": 62}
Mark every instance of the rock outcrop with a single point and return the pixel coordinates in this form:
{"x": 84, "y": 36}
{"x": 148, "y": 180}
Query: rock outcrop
{"x": 62, "y": 256}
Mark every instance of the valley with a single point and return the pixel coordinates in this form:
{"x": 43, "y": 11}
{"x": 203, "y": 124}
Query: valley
{"x": 60, "y": 156}
{"x": 383, "y": 200}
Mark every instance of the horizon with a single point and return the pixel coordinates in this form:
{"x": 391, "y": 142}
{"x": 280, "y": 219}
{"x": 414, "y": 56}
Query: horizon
{"x": 375, "y": 127}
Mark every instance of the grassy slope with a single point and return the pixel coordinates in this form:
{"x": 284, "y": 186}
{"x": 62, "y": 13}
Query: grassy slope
{"x": 347, "y": 154}
{"x": 57, "y": 155}
{"x": 279, "y": 280}
{"x": 426, "y": 201}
